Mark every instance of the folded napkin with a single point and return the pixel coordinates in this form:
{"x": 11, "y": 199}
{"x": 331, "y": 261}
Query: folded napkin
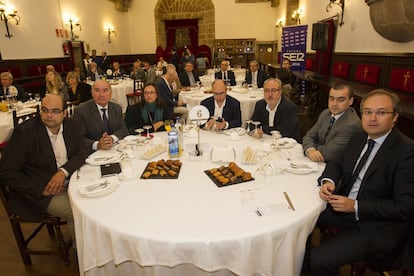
{"x": 286, "y": 142}
{"x": 98, "y": 187}
{"x": 300, "y": 167}
{"x": 101, "y": 157}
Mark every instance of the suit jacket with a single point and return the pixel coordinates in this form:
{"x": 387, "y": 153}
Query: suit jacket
{"x": 90, "y": 74}
{"x": 21, "y": 94}
{"x": 185, "y": 80}
{"x": 134, "y": 120}
{"x": 261, "y": 77}
{"x": 231, "y": 110}
{"x": 28, "y": 164}
{"x": 90, "y": 121}
{"x": 82, "y": 94}
{"x": 166, "y": 94}
{"x": 285, "y": 120}
{"x": 230, "y": 76}
{"x": 338, "y": 136}
{"x": 385, "y": 198}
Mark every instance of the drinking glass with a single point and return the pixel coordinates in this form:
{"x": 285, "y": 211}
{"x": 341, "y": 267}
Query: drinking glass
{"x": 37, "y": 96}
{"x": 30, "y": 96}
{"x": 139, "y": 131}
{"x": 248, "y": 122}
{"x": 167, "y": 125}
{"x": 148, "y": 127}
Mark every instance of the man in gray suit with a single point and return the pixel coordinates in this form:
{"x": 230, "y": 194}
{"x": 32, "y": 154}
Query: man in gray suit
{"x": 101, "y": 122}
{"x": 334, "y": 127}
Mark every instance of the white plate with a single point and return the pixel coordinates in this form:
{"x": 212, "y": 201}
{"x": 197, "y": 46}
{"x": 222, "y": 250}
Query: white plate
{"x": 122, "y": 177}
{"x": 238, "y": 130}
{"x": 286, "y": 143}
{"x": 112, "y": 186}
{"x": 97, "y": 161}
{"x": 154, "y": 151}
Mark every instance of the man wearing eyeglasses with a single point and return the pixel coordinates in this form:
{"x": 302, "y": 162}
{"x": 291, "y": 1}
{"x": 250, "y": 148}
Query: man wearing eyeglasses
{"x": 224, "y": 110}
{"x": 275, "y": 112}
{"x": 39, "y": 158}
{"x": 334, "y": 127}
{"x": 100, "y": 120}
{"x": 369, "y": 191}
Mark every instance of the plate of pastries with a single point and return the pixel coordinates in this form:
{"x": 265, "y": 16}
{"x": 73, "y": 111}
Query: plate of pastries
{"x": 162, "y": 169}
{"x": 228, "y": 175}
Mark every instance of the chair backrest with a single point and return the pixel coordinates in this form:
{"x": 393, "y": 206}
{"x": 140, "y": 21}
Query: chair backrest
{"x": 19, "y": 118}
{"x": 133, "y": 98}
{"x": 4, "y": 195}
{"x": 71, "y": 109}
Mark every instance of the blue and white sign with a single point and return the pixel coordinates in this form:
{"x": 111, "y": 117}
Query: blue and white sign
{"x": 294, "y": 46}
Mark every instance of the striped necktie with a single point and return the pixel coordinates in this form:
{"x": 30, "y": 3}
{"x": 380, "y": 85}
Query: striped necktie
{"x": 329, "y": 128}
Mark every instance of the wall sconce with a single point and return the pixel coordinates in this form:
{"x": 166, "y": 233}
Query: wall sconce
{"x": 280, "y": 24}
{"x": 110, "y": 31}
{"x": 297, "y": 16}
{"x": 7, "y": 14}
{"x": 74, "y": 23}
{"x": 341, "y": 5}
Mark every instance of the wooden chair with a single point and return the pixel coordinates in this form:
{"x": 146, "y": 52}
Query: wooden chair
{"x": 53, "y": 225}
{"x": 70, "y": 107}
{"x": 133, "y": 98}
{"x": 19, "y": 118}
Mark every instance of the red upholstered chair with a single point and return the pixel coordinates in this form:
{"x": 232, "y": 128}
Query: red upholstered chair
{"x": 367, "y": 73}
{"x": 309, "y": 64}
{"x": 35, "y": 70}
{"x": 341, "y": 69}
{"x": 159, "y": 52}
{"x": 402, "y": 79}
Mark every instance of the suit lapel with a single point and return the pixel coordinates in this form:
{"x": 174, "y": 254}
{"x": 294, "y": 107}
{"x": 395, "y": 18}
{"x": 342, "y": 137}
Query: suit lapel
{"x": 95, "y": 115}
{"x": 46, "y": 145}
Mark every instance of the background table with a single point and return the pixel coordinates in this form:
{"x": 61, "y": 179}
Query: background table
{"x": 189, "y": 226}
{"x": 120, "y": 90}
{"x": 6, "y": 126}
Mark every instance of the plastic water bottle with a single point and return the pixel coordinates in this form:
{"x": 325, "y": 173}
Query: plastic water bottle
{"x": 180, "y": 129}
{"x": 174, "y": 147}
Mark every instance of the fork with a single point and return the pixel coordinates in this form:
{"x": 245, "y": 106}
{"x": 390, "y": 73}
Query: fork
{"x": 102, "y": 185}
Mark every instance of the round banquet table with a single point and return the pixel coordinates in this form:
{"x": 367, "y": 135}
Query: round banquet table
{"x": 247, "y": 100}
{"x": 190, "y": 226}
{"x": 120, "y": 88}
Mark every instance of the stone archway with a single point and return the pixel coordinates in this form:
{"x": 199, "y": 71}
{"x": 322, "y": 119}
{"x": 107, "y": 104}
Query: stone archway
{"x": 203, "y": 10}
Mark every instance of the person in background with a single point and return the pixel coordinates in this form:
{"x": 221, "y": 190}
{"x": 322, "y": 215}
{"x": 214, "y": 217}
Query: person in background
{"x": 55, "y": 85}
{"x": 288, "y": 66}
{"x": 78, "y": 92}
{"x": 224, "y": 110}
{"x": 151, "y": 110}
{"x": 137, "y": 72}
{"x": 117, "y": 71}
{"x": 94, "y": 72}
{"x": 105, "y": 63}
{"x": 201, "y": 64}
{"x": 96, "y": 59}
{"x": 188, "y": 78}
{"x": 225, "y": 74}
{"x": 38, "y": 161}
{"x": 162, "y": 65}
{"x": 369, "y": 191}
{"x": 150, "y": 74}
{"x": 176, "y": 84}
{"x": 255, "y": 76}
{"x": 187, "y": 57}
{"x": 334, "y": 127}
{"x": 80, "y": 75}
{"x": 101, "y": 122}
{"x": 7, "y": 89}
{"x": 174, "y": 59}
{"x": 50, "y": 68}
{"x": 275, "y": 112}
{"x": 86, "y": 62}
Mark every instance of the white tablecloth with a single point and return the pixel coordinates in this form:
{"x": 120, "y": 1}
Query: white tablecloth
{"x": 120, "y": 90}
{"x": 6, "y": 126}
{"x": 189, "y": 226}
{"x": 247, "y": 100}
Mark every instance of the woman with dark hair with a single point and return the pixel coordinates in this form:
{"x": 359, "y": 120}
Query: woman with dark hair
{"x": 151, "y": 110}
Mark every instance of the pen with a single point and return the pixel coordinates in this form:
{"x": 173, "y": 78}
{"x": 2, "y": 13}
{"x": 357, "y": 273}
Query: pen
{"x": 289, "y": 201}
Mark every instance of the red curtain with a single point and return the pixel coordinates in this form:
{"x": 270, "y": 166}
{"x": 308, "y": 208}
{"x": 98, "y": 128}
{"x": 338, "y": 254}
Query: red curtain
{"x": 326, "y": 55}
{"x": 171, "y": 27}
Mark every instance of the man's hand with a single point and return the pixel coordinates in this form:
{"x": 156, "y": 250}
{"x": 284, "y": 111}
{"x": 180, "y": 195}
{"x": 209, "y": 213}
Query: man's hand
{"x": 257, "y": 133}
{"x": 55, "y": 184}
{"x": 342, "y": 203}
{"x": 106, "y": 142}
{"x": 326, "y": 190}
{"x": 181, "y": 103}
{"x": 220, "y": 125}
{"x": 315, "y": 155}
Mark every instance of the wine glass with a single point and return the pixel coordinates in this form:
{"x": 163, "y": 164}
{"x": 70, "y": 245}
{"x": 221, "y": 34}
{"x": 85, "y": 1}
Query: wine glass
{"x": 37, "y": 97}
{"x": 30, "y": 96}
{"x": 256, "y": 124}
{"x": 275, "y": 135}
{"x": 167, "y": 125}
{"x": 248, "y": 122}
{"x": 139, "y": 131}
{"x": 148, "y": 127}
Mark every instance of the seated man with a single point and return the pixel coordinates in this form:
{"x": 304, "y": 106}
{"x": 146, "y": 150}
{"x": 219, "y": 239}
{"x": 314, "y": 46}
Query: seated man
{"x": 275, "y": 112}
{"x": 335, "y": 125}
{"x": 286, "y": 64}
{"x": 369, "y": 190}
{"x": 165, "y": 92}
{"x": 189, "y": 78}
{"x": 137, "y": 73}
{"x": 94, "y": 72}
{"x": 224, "y": 74}
{"x": 255, "y": 76}
{"x": 117, "y": 71}
{"x": 39, "y": 158}
{"x": 7, "y": 89}
{"x": 100, "y": 121}
{"x": 224, "y": 110}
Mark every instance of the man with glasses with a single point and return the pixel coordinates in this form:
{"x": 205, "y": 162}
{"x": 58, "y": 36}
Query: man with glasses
{"x": 9, "y": 90}
{"x": 334, "y": 127}
{"x": 369, "y": 191}
{"x": 255, "y": 76}
{"x": 100, "y": 120}
{"x": 226, "y": 75}
{"x": 39, "y": 158}
{"x": 275, "y": 112}
{"x": 224, "y": 110}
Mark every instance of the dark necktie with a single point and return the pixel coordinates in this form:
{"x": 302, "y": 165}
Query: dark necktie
{"x": 105, "y": 121}
{"x": 329, "y": 128}
{"x": 363, "y": 160}
{"x": 7, "y": 92}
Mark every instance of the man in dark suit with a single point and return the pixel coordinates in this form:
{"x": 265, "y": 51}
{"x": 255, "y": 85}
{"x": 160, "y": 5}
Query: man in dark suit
{"x": 39, "y": 158}
{"x": 188, "y": 78}
{"x": 255, "y": 76}
{"x": 7, "y": 89}
{"x": 275, "y": 112}
{"x": 225, "y": 74}
{"x": 334, "y": 127}
{"x": 224, "y": 109}
{"x": 100, "y": 121}
{"x": 369, "y": 190}
{"x": 286, "y": 64}
{"x": 105, "y": 64}
{"x": 94, "y": 73}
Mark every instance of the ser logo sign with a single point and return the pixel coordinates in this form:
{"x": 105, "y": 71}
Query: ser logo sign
{"x": 294, "y": 56}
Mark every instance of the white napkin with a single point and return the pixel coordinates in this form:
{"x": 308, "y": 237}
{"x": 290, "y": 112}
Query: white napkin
{"x": 300, "y": 167}
{"x": 284, "y": 143}
{"x": 101, "y": 157}
{"x": 98, "y": 187}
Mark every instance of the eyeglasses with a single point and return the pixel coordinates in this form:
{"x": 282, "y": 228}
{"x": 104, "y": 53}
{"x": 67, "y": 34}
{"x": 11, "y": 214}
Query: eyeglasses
{"x": 54, "y": 111}
{"x": 272, "y": 90}
{"x": 219, "y": 93}
{"x": 380, "y": 113}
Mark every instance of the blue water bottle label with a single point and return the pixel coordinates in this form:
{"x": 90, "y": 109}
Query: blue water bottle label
{"x": 173, "y": 145}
